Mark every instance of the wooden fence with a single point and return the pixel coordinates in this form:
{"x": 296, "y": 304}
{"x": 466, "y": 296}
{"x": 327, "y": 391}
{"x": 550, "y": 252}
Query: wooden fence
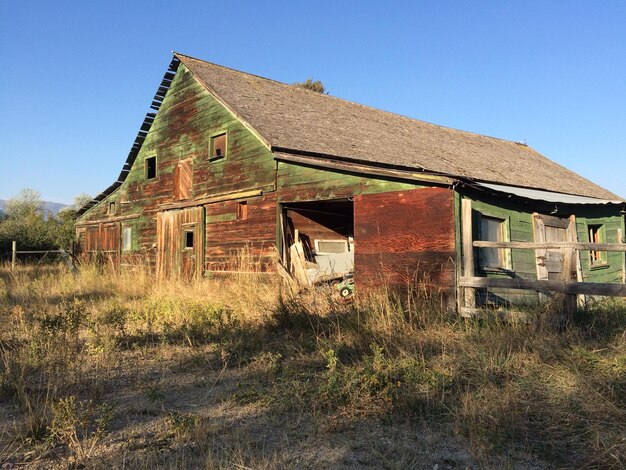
{"x": 14, "y": 252}
{"x": 468, "y": 282}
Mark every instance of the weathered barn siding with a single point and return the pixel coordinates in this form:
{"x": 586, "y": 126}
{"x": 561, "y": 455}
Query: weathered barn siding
{"x": 245, "y": 245}
{"x": 174, "y": 257}
{"x": 612, "y": 270}
{"x": 405, "y": 237}
{"x": 523, "y": 262}
{"x": 243, "y": 206}
{"x": 520, "y": 229}
{"x": 297, "y": 182}
{"x": 180, "y": 139}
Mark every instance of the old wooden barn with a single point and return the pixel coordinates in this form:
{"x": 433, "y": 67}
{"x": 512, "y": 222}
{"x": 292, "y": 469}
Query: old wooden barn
{"x": 325, "y": 188}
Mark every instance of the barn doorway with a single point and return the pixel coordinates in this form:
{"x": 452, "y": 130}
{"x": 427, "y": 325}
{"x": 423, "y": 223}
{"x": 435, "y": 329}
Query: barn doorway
{"x": 318, "y": 240}
{"x": 180, "y": 243}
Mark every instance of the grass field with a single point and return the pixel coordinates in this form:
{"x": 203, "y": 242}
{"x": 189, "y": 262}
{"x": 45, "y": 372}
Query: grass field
{"x": 119, "y": 371}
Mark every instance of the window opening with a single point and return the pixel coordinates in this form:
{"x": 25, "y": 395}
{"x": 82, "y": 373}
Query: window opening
{"x": 218, "y": 146}
{"x": 127, "y": 238}
{"x": 596, "y": 235}
{"x": 492, "y": 229}
{"x": 111, "y": 208}
{"x": 242, "y": 210}
{"x": 150, "y": 168}
{"x": 188, "y": 238}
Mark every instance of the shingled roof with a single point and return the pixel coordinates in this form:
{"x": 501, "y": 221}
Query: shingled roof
{"x": 292, "y": 119}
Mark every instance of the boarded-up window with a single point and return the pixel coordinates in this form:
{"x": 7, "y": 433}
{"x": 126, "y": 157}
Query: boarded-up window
{"x": 242, "y": 210}
{"x": 597, "y": 234}
{"x": 151, "y": 168}
{"x": 218, "y": 146}
{"x": 127, "y": 239}
{"x": 183, "y": 179}
{"x": 492, "y": 229}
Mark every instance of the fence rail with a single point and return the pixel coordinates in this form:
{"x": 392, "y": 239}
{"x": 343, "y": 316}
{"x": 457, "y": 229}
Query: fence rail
{"x": 552, "y": 245}
{"x": 468, "y": 281}
{"x": 67, "y": 257}
{"x": 565, "y": 287}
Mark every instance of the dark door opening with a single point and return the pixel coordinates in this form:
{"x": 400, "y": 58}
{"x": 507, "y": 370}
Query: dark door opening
{"x": 318, "y": 240}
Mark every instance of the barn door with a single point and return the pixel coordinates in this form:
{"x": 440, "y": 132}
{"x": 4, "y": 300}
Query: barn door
{"x": 110, "y": 243}
{"x": 180, "y": 243}
{"x": 405, "y": 236}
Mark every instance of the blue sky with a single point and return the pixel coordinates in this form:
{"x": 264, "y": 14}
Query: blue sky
{"x": 79, "y": 76}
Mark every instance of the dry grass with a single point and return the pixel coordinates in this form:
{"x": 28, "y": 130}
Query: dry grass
{"x": 120, "y": 371}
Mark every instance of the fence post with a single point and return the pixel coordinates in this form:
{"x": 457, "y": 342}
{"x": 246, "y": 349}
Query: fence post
{"x": 620, "y": 239}
{"x": 13, "y": 254}
{"x": 468, "y": 250}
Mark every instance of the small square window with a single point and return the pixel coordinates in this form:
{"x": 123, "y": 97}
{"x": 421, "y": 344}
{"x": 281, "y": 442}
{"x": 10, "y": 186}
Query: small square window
{"x": 242, "y": 210}
{"x": 127, "y": 239}
{"x": 151, "y": 169}
{"x": 597, "y": 235}
{"x": 218, "y": 146}
{"x": 188, "y": 239}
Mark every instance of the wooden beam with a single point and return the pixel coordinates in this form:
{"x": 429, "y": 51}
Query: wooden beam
{"x": 553, "y": 245}
{"x": 109, "y": 220}
{"x": 468, "y": 250}
{"x": 211, "y": 199}
{"x": 363, "y": 169}
{"x": 582, "y": 300}
{"x": 541, "y": 255}
{"x": 566, "y": 287}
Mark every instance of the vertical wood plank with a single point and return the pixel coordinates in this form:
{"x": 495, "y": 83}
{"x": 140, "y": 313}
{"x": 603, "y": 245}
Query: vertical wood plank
{"x": 468, "y": 250}
{"x": 573, "y": 236}
{"x": 620, "y": 239}
{"x": 13, "y": 254}
{"x": 541, "y": 255}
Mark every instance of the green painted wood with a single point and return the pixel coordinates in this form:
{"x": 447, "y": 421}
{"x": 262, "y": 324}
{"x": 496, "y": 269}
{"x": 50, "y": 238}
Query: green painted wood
{"x": 611, "y": 272}
{"x": 182, "y": 129}
{"x": 304, "y": 183}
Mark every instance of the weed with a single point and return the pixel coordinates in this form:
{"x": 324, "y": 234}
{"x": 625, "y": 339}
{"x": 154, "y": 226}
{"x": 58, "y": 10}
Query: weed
{"x": 181, "y": 425}
{"x": 80, "y": 425}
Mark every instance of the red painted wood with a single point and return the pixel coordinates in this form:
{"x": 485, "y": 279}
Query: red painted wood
{"x": 244, "y": 245}
{"x": 405, "y": 237}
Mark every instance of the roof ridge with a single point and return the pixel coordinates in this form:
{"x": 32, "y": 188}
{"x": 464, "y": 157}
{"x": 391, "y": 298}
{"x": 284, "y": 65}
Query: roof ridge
{"x": 304, "y": 90}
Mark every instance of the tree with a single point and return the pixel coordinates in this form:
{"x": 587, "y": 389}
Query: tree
{"x": 312, "y": 85}
{"x": 26, "y": 205}
{"x": 81, "y": 200}
{"x": 65, "y": 220}
{"x": 25, "y": 222}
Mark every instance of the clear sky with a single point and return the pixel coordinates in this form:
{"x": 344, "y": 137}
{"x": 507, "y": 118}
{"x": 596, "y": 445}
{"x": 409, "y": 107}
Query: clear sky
{"x": 79, "y": 76}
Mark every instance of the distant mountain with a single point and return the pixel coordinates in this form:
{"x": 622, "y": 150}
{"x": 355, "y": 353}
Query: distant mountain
{"x": 49, "y": 207}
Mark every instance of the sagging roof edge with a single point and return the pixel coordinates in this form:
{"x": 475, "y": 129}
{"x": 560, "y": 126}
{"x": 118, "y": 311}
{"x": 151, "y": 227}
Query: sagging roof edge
{"x": 141, "y": 135}
{"x": 421, "y": 174}
{"x": 550, "y": 197}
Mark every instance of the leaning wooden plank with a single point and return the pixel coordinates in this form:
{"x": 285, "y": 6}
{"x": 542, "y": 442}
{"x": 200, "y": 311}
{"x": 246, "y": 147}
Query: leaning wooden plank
{"x": 553, "y": 245}
{"x": 566, "y": 287}
{"x": 297, "y": 265}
